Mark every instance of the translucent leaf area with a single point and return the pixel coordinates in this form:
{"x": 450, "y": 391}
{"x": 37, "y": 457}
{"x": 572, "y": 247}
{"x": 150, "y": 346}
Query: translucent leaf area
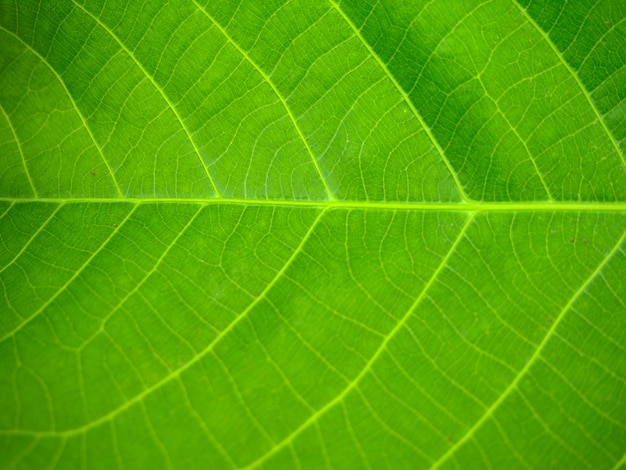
{"x": 312, "y": 234}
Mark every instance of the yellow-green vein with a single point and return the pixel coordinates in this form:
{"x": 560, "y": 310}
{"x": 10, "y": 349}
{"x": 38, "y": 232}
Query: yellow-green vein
{"x": 19, "y": 148}
{"x": 620, "y": 463}
{"x": 160, "y": 90}
{"x": 276, "y": 92}
{"x": 576, "y": 78}
{"x": 177, "y": 372}
{"x": 536, "y": 355}
{"x": 406, "y": 98}
{"x": 33, "y": 236}
{"x": 74, "y": 104}
{"x": 70, "y": 280}
{"x": 379, "y": 351}
{"x": 539, "y": 206}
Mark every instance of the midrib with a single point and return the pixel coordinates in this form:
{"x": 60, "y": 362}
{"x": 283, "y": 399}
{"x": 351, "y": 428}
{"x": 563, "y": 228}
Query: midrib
{"x": 474, "y": 206}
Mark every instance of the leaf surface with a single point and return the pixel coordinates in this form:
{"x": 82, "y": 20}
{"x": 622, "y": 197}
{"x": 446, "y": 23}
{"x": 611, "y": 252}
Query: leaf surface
{"x": 312, "y": 234}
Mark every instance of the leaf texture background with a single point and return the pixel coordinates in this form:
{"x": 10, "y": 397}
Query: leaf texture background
{"x": 312, "y": 234}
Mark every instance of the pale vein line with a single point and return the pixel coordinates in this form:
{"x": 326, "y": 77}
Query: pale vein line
{"x": 201, "y": 422}
{"x": 177, "y": 372}
{"x": 155, "y": 438}
{"x": 161, "y": 92}
{"x": 536, "y": 355}
{"x": 575, "y": 76}
{"x": 519, "y": 137}
{"x": 19, "y": 148}
{"x": 57, "y": 455}
{"x": 22, "y": 455}
{"x": 368, "y": 367}
{"x": 598, "y": 42}
{"x": 140, "y": 284}
{"x": 405, "y": 97}
{"x": 6, "y": 211}
{"x": 539, "y": 206}
{"x": 71, "y": 98}
{"x": 553, "y": 433}
{"x": 33, "y": 236}
{"x": 69, "y": 281}
{"x": 276, "y": 92}
{"x": 621, "y": 463}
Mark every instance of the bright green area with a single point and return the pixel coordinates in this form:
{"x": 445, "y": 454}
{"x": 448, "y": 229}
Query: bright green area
{"x": 312, "y": 234}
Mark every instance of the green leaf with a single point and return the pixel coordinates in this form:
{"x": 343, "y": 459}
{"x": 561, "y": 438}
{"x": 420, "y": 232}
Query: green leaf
{"x": 312, "y": 234}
